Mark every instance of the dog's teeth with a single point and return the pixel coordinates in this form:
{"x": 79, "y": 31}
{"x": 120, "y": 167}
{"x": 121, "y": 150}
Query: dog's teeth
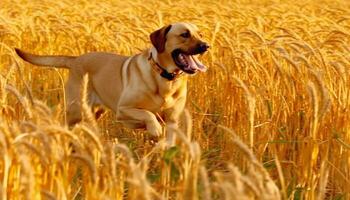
{"x": 182, "y": 59}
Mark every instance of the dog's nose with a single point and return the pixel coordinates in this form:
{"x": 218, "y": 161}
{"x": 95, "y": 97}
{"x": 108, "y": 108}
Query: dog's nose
{"x": 203, "y": 47}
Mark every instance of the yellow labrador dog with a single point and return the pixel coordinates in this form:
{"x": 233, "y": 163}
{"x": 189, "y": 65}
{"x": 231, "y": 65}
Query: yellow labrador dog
{"x": 138, "y": 87}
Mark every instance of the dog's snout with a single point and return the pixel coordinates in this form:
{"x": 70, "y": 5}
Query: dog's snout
{"x": 202, "y": 47}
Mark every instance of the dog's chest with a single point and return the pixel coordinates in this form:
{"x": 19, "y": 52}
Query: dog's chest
{"x": 165, "y": 101}
{"x": 162, "y": 98}
{"x": 160, "y": 102}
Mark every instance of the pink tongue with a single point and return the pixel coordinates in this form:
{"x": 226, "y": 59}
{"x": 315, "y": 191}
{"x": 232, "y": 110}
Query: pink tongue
{"x": 195, "y": 64}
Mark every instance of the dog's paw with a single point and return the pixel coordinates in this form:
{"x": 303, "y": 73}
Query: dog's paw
{"x": 155, "y": 129}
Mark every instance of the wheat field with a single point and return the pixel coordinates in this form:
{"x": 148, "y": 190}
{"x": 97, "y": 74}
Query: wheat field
{"x": 269, "y": 120}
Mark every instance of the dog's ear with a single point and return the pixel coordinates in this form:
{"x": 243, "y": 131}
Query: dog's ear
{"x": 158, "y": 38}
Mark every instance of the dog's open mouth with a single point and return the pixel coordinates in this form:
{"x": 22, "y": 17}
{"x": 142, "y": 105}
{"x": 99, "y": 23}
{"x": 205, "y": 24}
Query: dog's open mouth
{"x": 187, "y": 63}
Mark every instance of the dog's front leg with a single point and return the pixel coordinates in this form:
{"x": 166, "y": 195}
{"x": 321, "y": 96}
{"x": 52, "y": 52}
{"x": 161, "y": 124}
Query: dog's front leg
{"x": 137, "y": 116}
{"x": 171, "y": 118}
{"x": 171, "y": 130}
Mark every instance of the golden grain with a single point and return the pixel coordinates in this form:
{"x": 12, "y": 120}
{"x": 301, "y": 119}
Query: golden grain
{"x": 269, "y": 120}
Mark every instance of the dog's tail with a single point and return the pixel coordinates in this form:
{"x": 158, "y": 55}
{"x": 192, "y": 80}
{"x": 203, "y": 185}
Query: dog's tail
{"x": 56, "y": 61}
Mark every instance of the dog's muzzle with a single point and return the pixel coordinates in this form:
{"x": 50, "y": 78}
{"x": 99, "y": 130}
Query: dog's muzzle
{"x": 187, "y": 61}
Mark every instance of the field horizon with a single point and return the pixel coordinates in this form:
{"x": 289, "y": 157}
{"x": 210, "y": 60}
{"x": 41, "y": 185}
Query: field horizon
{"x": 270, "y": 119}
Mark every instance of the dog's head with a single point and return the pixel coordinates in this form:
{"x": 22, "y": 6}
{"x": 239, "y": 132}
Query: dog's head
{"x": 180, "y": 43}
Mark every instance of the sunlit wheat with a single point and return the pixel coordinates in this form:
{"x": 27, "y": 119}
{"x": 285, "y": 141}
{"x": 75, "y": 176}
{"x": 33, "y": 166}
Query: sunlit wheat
{"x": 269, "y": 120}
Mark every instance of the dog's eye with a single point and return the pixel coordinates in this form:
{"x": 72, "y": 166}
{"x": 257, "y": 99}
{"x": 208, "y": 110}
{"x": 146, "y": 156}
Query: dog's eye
{"x": 186, "y": 34}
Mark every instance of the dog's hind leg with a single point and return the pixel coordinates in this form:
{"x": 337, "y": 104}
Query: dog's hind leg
{"x": 95, "y": 103}
{"x": 73, "y": 98}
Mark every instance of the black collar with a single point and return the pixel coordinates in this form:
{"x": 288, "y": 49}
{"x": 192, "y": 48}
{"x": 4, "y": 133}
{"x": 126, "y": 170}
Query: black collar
{"x": 163, "y": 72}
